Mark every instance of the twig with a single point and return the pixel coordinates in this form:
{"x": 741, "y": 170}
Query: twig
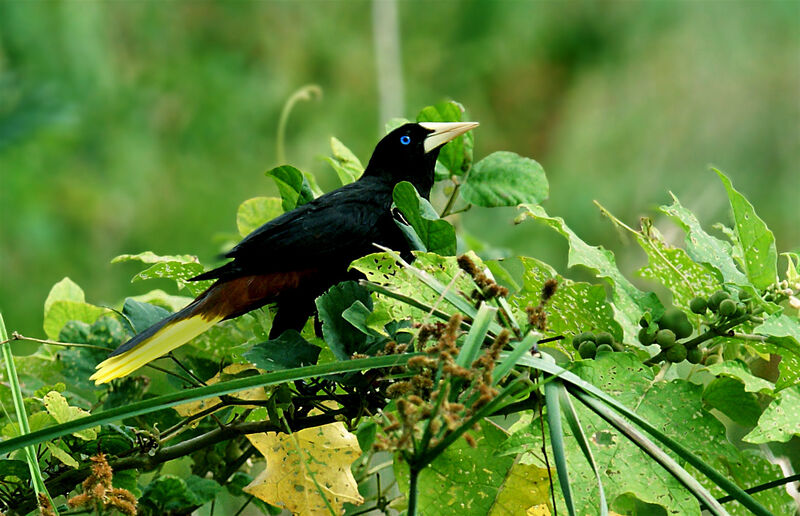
{"x": 452, "y": 200}
{"x": 17, "y": 336}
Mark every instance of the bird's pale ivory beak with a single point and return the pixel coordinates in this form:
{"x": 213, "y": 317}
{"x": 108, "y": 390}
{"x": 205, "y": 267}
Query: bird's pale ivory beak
{"x": 443, "y": 132}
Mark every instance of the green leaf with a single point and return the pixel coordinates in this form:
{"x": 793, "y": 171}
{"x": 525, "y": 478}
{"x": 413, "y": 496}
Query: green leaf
{"x": 62, "y": 455}
{"x": 175, "y": 267}
{"x": 740, "y": 371}
{"x": 383, "y": 269}
{"x": 344, "y": 162}
{"x": 62, "y": 412}
{"x": 505, "y": 179}
{"x": 574, "y": 308}
{"x": 729, "y": 397}
{"x": 394, "y": 123}
{"x": 755, "y": 240}
{"x": 287, "y": 351}
{"x": 436, "y": 235}
{"x": 792, "y": 267}
{"x": 150, "y": 258}
{"x": 143, "y": 315}
{"x": 172, "y": 494}
{"x": 362, "y": 318}
{"x": 203, "y": 489}
{"x": 629, "y": 302}
{"x": 475, "y": 478}
{"x": 456, "y": 155}
{"x": 61, "y": 312}
{"x": 671, "y": 266}
{"x": 626, "y": 469}
{"x": 292, "y": 185}
{"x": 783, "y": 338}
{"x": 255, "y": 212}
{"x": 780, "y": 421}
{"x": 64, "y": 290}
{"x": 127, "y": 479}
{"x": 704, "y": 248}
{"x": 166, "y": 301}
{"x": 14, "y": 468}
{"x": 341, "y": 336}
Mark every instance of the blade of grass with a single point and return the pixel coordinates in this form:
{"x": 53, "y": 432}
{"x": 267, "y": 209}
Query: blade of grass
{"x": 579, "y": 435}
{"x": 510, "y": 360}
{"x": 199, "y": 393}
{"x": 477, "y": 334}
{"x": 557, "y": 442}
{"x": 650, "y": 448}
{"x": 22, "y": 416}
{"x": 726, "y": 485}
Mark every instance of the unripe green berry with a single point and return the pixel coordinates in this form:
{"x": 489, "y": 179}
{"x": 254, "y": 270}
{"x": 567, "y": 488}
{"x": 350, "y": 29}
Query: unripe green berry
{"x": 665, "y": 338}
{"x": 676, "y": 353}
{"x": 727, "y": 307}
{"x": 694, "y": 355}
{"x": 582, "y": 337}
{"x": 604, "y": 338}
{"x": 645, "y": 337}
{"x": 716, "y": 298}
{"x": 741, "y": 309}
{"x": 605, "y": 347}
{"x": 683, "y": 329}
{"x": 698, "y": 305}
{"x": 587, "y": 349}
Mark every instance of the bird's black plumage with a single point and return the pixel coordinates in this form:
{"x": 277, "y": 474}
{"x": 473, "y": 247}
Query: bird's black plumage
{"x": 295, "y": 257}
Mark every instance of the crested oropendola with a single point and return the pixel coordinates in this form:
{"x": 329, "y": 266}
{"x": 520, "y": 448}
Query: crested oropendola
{"x": 294, "y": 258}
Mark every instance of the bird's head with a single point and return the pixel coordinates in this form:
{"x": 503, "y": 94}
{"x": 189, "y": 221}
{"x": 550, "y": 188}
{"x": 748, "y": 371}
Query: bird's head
{"x": 409, "y": 152}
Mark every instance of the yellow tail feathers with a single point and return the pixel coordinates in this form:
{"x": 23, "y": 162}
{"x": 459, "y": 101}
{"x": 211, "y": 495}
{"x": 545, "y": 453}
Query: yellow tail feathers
{"x": 172, "y": 335}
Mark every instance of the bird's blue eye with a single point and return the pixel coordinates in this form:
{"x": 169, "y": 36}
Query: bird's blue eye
{"x": 405, "y": 139}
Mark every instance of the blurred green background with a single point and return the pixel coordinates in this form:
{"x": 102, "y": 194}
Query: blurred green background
{"x": 132, "y": 126}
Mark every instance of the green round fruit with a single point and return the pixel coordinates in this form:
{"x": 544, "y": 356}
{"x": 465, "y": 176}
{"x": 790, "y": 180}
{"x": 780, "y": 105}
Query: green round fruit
{"x": 698, "y": 305}
{"x": 645, "y": 337}
{"x": 582, "y": 337}
{"x": 727, "y": 307}
{"x": 741, "y": 309}
{"x": 672, "y": 319}
{"x": 665, "y": 338}
{"x": 605, "y": 347}
{"x": 676, "y": 353}
{"x": 694, "y": 355}
{"x": 716, "y": 298}
{"x": 683, "y": 329}
{"x": 588, "y": 349}
{"x": 744, "y": 295}
{"x": 604, "y": 338}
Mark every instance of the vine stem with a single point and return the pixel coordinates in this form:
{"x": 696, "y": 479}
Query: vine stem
{"x": 412, "y": 490}
{"x": 452, "y": 200}
{"x": 307, "y": 92}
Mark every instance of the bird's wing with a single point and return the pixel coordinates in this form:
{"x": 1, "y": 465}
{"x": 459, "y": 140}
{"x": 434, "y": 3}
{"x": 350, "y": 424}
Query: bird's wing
{"x": 329, "y": 231}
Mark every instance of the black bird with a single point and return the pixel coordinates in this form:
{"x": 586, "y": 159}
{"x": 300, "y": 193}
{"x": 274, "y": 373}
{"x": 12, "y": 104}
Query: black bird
{"x": 297, "y": 256}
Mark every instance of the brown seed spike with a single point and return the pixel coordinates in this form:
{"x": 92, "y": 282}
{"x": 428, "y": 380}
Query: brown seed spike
{"x": 549, "y": 289}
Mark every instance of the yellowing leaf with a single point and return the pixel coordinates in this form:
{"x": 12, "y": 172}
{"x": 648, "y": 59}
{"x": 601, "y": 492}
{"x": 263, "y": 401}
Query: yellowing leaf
{"x": 62, "y": 412}
{"x": 524, "y": 484}
{"x": 305, "y": 466}
{"x": 538, "y": 510}
{"x": 194, "y": 407}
